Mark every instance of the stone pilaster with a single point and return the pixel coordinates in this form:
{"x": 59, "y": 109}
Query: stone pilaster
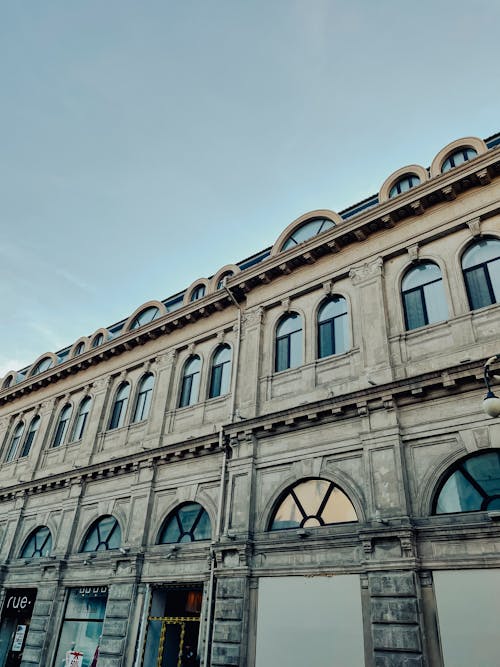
{"x": 228, "y": 646}
{"x": 114, "y": 630}
{"x": 40, "y": 630}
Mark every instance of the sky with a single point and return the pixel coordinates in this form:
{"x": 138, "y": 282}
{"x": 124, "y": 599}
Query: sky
{"x": 147, "y": 144}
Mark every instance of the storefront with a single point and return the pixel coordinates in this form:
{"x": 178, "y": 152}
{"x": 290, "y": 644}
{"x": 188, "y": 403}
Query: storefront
{"x": 82, "y": 625}
{"x": 16, "y": 616}
{"x": 173, "y": 627}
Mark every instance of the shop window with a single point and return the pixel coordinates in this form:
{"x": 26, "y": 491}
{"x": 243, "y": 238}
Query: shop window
{"x": 471, "y": 485}
{"x": 188, "y": 523}
{"x": 481, "y": 269}
{"x": 172, "y": 632}
{"x": 38, "y": 544}
{"x": 312, "y": 503}
{"x": 143, "y": 400}
{"x": 117, "y": 418}
{"x": 82, "y": 625}
{"x": 103, "y": 535}
{"x": 333, "y": 334}
{"x": 190, "y": 381}
{"x": 14, "y": 442}
{"x": 424, "y": 300}
{"x": 17, "y": 610}
{"x": 288, "y": 342}
{"x": 30, "y": 436}
{"x": 307, "y": 231}
{"x": 81, "y": 419}
{"x": 220, "y": 375}
{"x": 62, "y": 426}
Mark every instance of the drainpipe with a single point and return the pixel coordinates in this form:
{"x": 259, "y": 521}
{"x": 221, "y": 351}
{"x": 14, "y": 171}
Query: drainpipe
{"x": 222, "y": 486}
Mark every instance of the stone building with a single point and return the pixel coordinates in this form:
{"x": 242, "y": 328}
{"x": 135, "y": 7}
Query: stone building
{"x": 287, "y": 464}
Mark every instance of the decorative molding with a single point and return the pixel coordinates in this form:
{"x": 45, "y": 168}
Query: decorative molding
{"x": 367, "y": 271}
{"x": 413, "y": 251}
{"x": 475, "y": 226}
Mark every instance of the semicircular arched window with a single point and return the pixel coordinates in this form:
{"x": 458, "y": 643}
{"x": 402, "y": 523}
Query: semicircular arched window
{"x": 145, "y": 316}
{"x": 222, "y": 279}
{"x": 103, "y": 535}
{"x": 198, "y": 292}
{"x": 458, "y": 157}
{"x": 43, "y": 365}
{"x": 79, "y": 349}
{"x": 38, "y": 544}
{"x": 481, "y": 269}
{"x": 98, "y": 340}
{"x": 306, "y": 231}
{"x": 424, "y": 300}
{"x": 403, "y": 184}
{"x": 471, "y": 485}
{"x": 30, "y": 436}
{"x": 311, "y": 503}
{"x": 187, "y": 523}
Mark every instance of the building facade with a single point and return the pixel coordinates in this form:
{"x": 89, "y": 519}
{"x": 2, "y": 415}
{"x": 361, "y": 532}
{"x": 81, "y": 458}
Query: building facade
{"x": 288, "y": 464}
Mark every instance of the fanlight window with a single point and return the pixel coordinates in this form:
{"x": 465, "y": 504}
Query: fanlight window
{"x": 481, "y": 268}
{"x": 311, "y": 503}
{"x": 147, "y": 315}
{"x": 98, "y": 340}
{"x": 8, "y": 381}
{"x": 42, "y": 365}
{"x": 307, "y": 231}
{"x": 15, "y": 441}
{"x": 30, "y": 436}
{"x": 288, "y": 343}
{"x": 188, "y": 523}
{"x": 197, "y": 293}
{"x": 120, "y": 406}
{"x": 221, "y": 372}
{"x": 457, "y": 158}
{"x": 103, "y": 535}
{"x": 38, "y": 544}
{"x": 404, "y": 184}
{"x": 190, "y": 381}
{"x": 471, "y": 485}
{"x": 81, "y": 419}
{"x": 424, "y": 300}
{"x": 333, "y": 334}
{"x": 62, "y": 426}
{"x": 143, "y": 400}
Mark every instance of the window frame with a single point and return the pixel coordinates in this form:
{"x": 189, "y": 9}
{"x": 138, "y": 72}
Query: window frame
{"x": 75, "y": 437}
{"x": 119, "y": 405}
{"x": 30, "y": 437}
{"x": 38, "y": 551}
{"x": 143, "y": 399}
{"x": 225, "y": 366}
{"x": 61, "y": 429}
{"x": 420, "y": 289}
{"x": 288, "y": 342}
{"x": 486, "y": 273}
{"x": 173, "y": 515}
{"x": 188, "y": 380}
{"x": 321, "y": 324}
{"x": 95, "y": 528}
{"x": 15, "y": 442}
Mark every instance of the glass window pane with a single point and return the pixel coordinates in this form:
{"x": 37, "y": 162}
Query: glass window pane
{"x": 414, "y": 309}
{"x": 203, "y": 530}
{"x": 482, "y": 251}
{"x": 332, "y": 308}
{"x": 215, "y": 384}
{"x": 326, "y": 341}
{"x": 290, "y": 324}
{"x": 485, "y": 470}
{"x": 421, "y": 275}
{"x": 341, "y": 334}
{"x": 435, "y": 301}
{"x": 458, "y": 495}
{"x": 282, "y": 354}
{"x": 187, "y": 514}
{"x": 295, "y": 349}
{"x": 311, "y": 493}
{"x": 494, "y": 272}
{"x": 287, "y": 515}
{"x": 338, "y": 508}
{"x": 477, "y": 286}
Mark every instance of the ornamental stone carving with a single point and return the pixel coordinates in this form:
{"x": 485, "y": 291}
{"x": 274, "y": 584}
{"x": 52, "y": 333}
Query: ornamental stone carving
{"x": 366, "y": 271}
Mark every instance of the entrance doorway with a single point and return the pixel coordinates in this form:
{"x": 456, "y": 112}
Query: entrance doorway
{"x": 173, "y": 627}
{"x": 16, "y": 616}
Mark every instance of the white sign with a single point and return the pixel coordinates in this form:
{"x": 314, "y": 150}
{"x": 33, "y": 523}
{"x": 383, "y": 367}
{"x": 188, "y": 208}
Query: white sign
{"x": 74, "y": 659}
{"x": 17, "y": 644}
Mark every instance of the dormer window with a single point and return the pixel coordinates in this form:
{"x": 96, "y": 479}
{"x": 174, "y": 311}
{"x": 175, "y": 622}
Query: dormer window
{"x": 457, "y": 158}
{"x": 404, "y": 184}
{"x": 307, "y": 231}
{"x": 198, "y": 293}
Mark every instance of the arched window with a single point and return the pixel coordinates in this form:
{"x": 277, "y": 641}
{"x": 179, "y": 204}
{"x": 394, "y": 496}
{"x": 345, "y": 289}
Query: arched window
{"x": 311, "y": 503}
{"x": 404, "y": 184}
{"x": 188, "y": 523}
{"x": 103, "y": 535}
{"x": 81, "y": 419}
{"x": 143, "y": 400}
{"x": 288, "y": 342}
{"x": 424, "y": 300}
{"x": 30, "y": 436}
{"x": 197, "y": 293}
{"x": 220, "y": 375}
{"x": 333, "y": 334}
{"x": 98, "y": 340}
{"x": 457, "y": 158}
{"x": 8, "y": 382}
{"x": 306, "y": 231}
{"x": 79, "y": 349}
{"x": 223, "y": 278}
{"x": 481, "y": 268}
{"x": 38, "y": 544}
{"x": 62, "y": 425}
{"x": 147, "y": 315}
{"x": 190, "y": 381}
{"x": 14, "y": 442}
{"x": 470, "y": 485}
{"x": 117, "y": 418}
{"x": 42, "y": 365}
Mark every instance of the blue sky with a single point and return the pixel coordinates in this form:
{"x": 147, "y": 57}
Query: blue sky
{"x": 145, "y": 145}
